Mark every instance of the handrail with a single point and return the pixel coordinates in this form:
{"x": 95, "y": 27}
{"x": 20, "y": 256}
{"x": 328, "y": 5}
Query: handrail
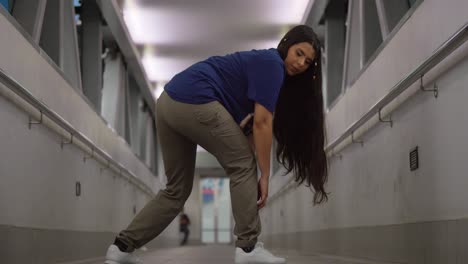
{"x": 441, "y": 53}
{"x": 22, "y": 92}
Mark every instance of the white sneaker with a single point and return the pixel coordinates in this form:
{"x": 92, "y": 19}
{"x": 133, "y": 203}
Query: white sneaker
{"x": 258, "y": 255}
{"x": 115, "y": 256}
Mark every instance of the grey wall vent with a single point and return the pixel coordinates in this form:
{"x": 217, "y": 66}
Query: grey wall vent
{"x": 414, "y": 159}
{"x": 78, "y": 189}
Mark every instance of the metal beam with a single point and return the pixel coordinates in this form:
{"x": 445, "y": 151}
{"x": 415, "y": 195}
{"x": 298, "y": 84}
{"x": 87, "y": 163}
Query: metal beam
{"x": 91, "y": 53}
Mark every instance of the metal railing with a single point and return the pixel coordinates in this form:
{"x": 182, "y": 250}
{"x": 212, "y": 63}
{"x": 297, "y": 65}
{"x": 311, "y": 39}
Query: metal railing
{"x": 75, "y": 135}
{"x": 441, "y": 53}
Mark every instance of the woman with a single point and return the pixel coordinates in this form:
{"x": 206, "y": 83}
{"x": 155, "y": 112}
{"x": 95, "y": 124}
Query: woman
{"x": 210, "y": 104}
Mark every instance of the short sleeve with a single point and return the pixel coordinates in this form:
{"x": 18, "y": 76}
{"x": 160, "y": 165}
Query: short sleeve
{"x": 265, "y": 79}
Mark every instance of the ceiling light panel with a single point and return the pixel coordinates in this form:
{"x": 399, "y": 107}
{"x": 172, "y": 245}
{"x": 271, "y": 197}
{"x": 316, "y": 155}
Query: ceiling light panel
{"x": 205, "y": 28}
{"x": 172, "y": 24}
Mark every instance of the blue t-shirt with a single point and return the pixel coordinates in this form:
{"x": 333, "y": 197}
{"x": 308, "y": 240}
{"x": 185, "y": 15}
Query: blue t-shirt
{"x": 236, "y": 80}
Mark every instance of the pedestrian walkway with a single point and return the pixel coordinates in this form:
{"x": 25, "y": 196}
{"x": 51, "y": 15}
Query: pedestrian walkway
{"x": 224, "y": 254}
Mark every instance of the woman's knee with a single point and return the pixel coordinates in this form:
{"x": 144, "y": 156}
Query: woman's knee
{"x": 242, "y": 167}
{"x": 180, "y": 195}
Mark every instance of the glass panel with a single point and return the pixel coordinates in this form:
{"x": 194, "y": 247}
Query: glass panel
{"x": 395, "y": 10}
{"x": 208, "y": 211}
{"x": 224, "y": 236}
{"x": 50, "y": 41}
{"x": 208, "y": 236}
{"x": 373, "y": 33}
{"x": 411, "y": 3}
{"x": 224, "y": 211}
{"x": 354, "y": 50}
{"x": 333, "y": 59}
{"x": 216, "y": 210}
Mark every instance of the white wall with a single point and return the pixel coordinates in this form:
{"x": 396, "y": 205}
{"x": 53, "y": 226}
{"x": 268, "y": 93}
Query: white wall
{"x": 372, "y": 185}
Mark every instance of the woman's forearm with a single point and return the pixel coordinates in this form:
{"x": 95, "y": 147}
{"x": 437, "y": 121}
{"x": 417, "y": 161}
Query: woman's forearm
{"x": 262, "y": 133}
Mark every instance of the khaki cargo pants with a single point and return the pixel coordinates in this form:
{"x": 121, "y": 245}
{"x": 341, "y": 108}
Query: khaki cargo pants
{"x": 180, "y": 128}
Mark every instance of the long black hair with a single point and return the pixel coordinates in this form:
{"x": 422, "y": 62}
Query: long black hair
{"x": 298, "y": 123}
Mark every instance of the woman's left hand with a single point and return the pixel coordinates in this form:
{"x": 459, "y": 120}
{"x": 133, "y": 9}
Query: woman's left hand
{"x": 245, "y": 120}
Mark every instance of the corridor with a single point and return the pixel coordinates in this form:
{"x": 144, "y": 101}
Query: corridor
{"x": 164, "y": 122}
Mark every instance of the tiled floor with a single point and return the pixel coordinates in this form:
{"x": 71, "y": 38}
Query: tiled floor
{"x": 220, "y": 254}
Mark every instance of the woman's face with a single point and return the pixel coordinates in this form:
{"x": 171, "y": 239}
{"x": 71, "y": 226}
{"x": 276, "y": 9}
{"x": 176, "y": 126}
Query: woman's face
{"x": 300, "y": 57}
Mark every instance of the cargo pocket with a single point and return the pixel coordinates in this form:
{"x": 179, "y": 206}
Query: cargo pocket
{"x": 217, "y": 119}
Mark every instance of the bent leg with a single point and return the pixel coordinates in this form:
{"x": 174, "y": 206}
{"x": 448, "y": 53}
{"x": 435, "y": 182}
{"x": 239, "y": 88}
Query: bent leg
{"x": 179, "y": 155}
{"x": 220, "y": 135}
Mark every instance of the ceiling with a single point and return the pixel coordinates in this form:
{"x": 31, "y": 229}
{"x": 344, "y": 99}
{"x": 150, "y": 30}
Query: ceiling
{"x": 173, "y": 34}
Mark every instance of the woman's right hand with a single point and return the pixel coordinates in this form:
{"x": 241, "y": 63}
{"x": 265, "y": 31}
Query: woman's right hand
{"x": 262, "y": 191}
